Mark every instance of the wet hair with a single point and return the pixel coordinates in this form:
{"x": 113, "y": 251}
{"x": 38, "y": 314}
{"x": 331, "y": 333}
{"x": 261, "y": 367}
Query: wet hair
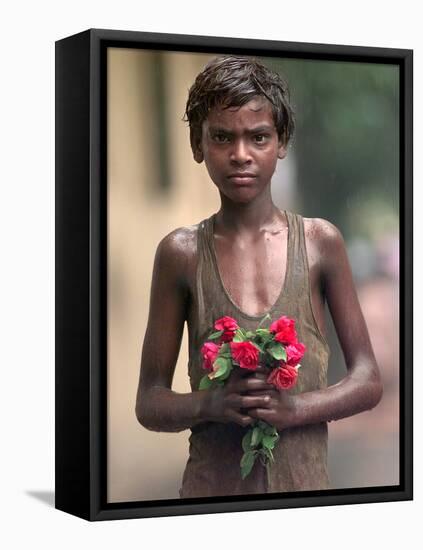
{"x": 232, "y": 81}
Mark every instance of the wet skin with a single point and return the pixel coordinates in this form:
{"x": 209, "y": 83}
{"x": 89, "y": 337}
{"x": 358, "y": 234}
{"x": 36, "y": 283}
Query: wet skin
{"x": 240, "y": 148}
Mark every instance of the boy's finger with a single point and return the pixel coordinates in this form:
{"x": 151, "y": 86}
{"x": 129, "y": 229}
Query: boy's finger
{"x": 252, "y": 401}
{"x": 260, "y": 376}
{"x": 271, "y": 392}
{"x": 241, "y": 419}
{"x": 257, "y": 384}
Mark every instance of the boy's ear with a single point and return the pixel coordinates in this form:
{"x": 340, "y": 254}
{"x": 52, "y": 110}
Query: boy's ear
{"x": 282, "y": 146}
{"x": 281, "y": 150}
{"x": 198, "y": 153}
{"x": 195, "y": 141}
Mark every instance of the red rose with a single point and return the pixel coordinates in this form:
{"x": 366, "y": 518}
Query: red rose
{"x": 245, "y": 354}
{"x": 294, "y": 353}
{"x": 284, "y": 330}
{"x": 283, "y": 377}
{"x": 209, "y": 352}
{"x": 228, "y": 325}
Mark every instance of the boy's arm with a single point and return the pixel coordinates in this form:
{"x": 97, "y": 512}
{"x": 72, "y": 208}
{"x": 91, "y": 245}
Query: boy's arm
{"x": 361, "y": 388}
{"x": 157, "y": 406}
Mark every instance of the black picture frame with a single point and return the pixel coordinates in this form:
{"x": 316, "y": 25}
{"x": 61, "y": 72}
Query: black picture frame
{"x": 81, "y": 273}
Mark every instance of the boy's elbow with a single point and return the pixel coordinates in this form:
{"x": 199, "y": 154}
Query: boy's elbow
{"x": 376, "y": 392}
{"x": 370, "y": 388}
{"x": 141, "y": 412}
{"x": 145, "y": 420}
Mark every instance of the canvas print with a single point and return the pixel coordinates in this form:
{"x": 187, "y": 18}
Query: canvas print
{"x": 252, "y": 275}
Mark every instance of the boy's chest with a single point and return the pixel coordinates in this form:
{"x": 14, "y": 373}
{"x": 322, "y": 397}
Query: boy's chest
{"x": 252, "y": 273}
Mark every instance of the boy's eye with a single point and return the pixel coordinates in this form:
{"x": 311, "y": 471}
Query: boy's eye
{"x": 260, "y": 138}
{"x": 221, "y": 138}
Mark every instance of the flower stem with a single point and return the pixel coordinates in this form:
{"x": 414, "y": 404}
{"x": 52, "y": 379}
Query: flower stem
{"x": 267, "y": 316}
{"x": 268, "y": 474}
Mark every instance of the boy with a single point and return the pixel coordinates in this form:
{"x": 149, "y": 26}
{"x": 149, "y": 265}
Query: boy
{"x": 248, "y": 260}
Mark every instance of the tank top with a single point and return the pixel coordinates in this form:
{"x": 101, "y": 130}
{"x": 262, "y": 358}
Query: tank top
{"x": 215, "y": 451}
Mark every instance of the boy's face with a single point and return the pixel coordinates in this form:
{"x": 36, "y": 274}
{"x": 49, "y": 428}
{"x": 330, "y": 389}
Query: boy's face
{"x": 240, "y": 147}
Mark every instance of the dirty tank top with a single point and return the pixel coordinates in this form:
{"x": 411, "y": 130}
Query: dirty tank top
{"x": 215, "y": 451}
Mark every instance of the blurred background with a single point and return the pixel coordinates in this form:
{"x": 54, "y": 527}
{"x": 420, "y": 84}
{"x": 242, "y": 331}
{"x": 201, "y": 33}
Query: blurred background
{"x": 342, "y": 165}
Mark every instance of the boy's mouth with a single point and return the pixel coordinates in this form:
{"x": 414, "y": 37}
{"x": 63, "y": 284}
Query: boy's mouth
{"x": 242, "y": 177}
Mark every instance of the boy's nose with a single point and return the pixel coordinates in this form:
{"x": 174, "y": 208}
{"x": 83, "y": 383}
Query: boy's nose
{"x": 240, "y": 153}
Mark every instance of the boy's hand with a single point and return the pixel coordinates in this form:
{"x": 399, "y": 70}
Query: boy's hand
{"x": 279, "y": 410}
{"x": 232, "y": 402}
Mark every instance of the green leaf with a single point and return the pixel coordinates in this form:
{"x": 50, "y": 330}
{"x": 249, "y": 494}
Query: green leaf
{"x": 223, "y": 368}
{"x": 225, "y": 351}
{"x": 256, "y": 436}
{"x": 269, "y": 441}
{"x": 224, "y": 348}
{"x": 270, "y": 430}
{"x": 259, "y": 346}
{"x": 247, "y": 463}
{"x": 246, "y": 441}
{"x": 215, "y": 335}
{"x": 239, "y": 336}
{"x": 264, "y": 333}
{"x": 205, "y": 383}
{"x": 277, "y": 351}
{"x": 226, "y": 375}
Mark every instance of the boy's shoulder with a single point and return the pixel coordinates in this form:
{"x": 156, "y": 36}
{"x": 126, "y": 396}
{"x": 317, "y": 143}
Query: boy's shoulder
{"x": 182, "y": 240}
{"x": 178, "y": 250}
{"x": 324, "y": 237}
{"x": 322, "y": 230}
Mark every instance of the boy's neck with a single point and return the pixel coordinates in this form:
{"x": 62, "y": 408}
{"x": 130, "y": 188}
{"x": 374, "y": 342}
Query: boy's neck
{"x": 249, "y": 217}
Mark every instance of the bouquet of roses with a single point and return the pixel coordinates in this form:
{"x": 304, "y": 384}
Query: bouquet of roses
{"x": 276, "y": 348}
